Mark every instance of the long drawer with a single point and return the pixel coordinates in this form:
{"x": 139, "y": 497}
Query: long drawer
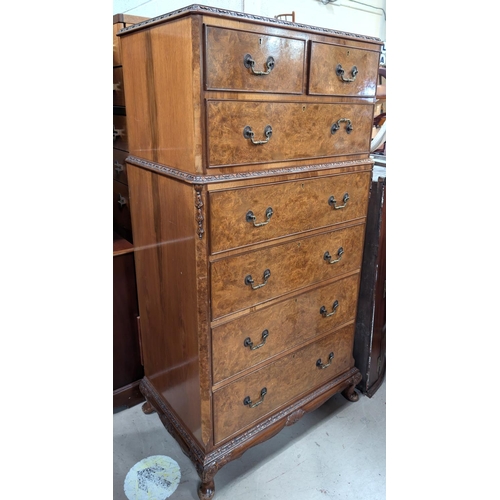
{"x": 280, "y": 382}
{"x": 254, "y": 277}
{"x": 263, "y": 213}
{"x": 253, "y": 62}
{"x": 251, "y": 339}
{"x": 265, "y": 132}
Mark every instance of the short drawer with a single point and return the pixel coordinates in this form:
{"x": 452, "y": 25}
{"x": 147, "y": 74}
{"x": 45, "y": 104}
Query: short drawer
{"x": 120, "y": 135}
{"x": 253, "y": 62}
{"x": 121, "y": 207}
{"x": 255, "y": 277}
{"x": 253, "y": 338}
{"x": 265, "y": 132}
{"x": 265, "y": 212}
{"x": 278, "y": 383}
{"x": 119, "y": 166}
{"x": 118, "y": 91}
{"x": 343, "y": 71}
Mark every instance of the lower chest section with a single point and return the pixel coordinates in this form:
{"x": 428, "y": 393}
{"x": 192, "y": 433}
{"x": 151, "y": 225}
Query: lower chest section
{"x": 283, "y": 293}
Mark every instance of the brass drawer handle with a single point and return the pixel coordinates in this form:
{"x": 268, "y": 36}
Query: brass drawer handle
{"x": 319, "y": 364}
{"x": 248, "y": 342}
{"x": 118, "y": 167}
{"x": 248, "y": 133}
{"x": 250, "y": 217}
{"x": 121, "y": 200}
{"x": 336, "y": 125}
{"x": 334, "y": 310}
{"x": 248, "y": 401}
{"x": 250, "y": 63}
{"x": 340, "y": 73}
{"x": 333, "y": 202}
{"x": 328, "y": 257}
{"x": 249, "y": 280}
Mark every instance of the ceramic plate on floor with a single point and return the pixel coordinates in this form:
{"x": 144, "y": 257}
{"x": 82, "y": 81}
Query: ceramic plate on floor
{"x": 153, "y": 478}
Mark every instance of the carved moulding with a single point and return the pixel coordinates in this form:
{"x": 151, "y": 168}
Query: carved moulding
{"x": 203, "y": 9}
{"x": 199, "y": 210}
{"x": 211, "y": 178}
{"x": 208, "y": 463}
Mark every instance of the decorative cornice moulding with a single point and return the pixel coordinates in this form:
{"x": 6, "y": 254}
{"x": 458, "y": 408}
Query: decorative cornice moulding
{"x": 214, "y": 178}
{"x": 201, "y": 9}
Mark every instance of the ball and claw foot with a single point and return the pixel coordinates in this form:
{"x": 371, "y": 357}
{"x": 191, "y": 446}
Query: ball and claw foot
{"x": 350, "y": 394}
{"x": 206, "y": 490}
{"x": 147, "y": 408}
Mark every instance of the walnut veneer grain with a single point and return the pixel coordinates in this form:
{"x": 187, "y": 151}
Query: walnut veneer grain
{"x": 165, "y": 247}
{"x": 195, "y": 171}
{"x": 323, "y": 77}
{"x": 297, "y": 206}
{"x": 284, "y": 380}
{"x": 288, "y": 324}
{"x": 225, "y": 69}
{"x": 292, "y": 265}
{"x": 299, "y": 131}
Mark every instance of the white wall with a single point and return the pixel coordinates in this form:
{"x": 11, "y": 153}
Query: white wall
{"x": 343, "y": 15}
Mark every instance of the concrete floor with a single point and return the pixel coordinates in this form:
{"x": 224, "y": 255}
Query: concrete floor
{"x": 338, "y": 451}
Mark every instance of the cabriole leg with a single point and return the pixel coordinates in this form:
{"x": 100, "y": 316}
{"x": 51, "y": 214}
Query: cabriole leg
{"x": 350, "y": 394}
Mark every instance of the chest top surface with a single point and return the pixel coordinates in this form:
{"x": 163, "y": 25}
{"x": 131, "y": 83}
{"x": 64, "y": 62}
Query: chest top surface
{"x": 242, "y": 16}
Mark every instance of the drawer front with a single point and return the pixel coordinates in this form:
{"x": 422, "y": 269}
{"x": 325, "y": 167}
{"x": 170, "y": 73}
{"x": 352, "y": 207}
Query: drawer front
{"x": 284, "y": 380}
{"x": 121, "y": 207}
{"x": 284, "y": 209}
{"x": 229, "y": 56}
{"x": 340, "y": 70}
{"x": 291, "y": 265}
{"x": 120, "y": 135}
{"x": 118, "y": 92}
{"x": 235, "y": 345}
{"x": 297, "y": 131}
{"x": 119, "y": 166}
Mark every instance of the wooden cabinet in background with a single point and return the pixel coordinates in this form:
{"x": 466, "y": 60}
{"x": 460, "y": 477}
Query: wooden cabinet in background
{"x": 127, "y": 363}
{"x": 369, "y": 342}
{"x": 121, "y": 208}
{"x": 249, "y": 182}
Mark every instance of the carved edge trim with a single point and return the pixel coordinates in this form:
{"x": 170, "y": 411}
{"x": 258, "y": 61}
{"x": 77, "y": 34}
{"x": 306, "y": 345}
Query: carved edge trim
{"x": 196, "y": 454}
{"x": 209, "y": 179}
{"x": 291, "y": 413}
{"x": 199, "y": 206}
{"x": 221, "y": 455}
{"x": 242, "y": 15}
{"x": 207, "y": 464}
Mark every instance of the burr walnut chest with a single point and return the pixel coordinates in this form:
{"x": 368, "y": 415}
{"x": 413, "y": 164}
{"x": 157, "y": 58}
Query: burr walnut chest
{"x": 249, "y": 177}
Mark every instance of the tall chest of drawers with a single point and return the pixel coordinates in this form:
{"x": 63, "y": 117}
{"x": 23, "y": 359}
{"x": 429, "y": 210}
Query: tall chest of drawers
{"x": 249, "y": 177}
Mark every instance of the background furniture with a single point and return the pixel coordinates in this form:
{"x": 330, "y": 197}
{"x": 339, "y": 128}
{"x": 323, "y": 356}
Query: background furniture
{"x": 127, "y": 363}
{"x": 121, "y": 208}
{"x": 249, "y": 172}
{"x": 369, "y": 341}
